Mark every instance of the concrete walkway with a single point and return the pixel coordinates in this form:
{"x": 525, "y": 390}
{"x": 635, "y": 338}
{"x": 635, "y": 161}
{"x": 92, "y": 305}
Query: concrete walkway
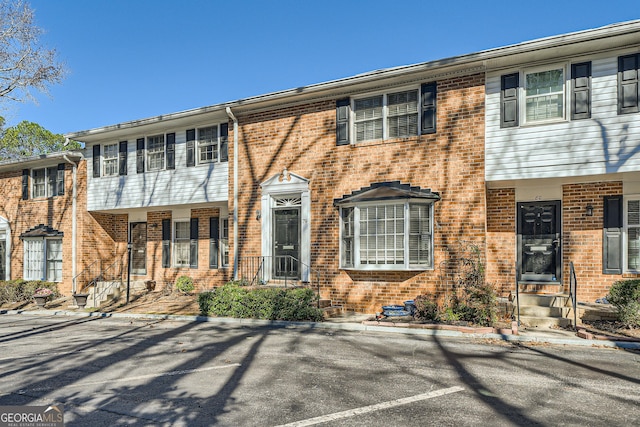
{"x": 362, "y": 322}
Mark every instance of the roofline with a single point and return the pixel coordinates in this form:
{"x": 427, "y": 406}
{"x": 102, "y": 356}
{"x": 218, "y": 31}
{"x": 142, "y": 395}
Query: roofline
{"x": 42, "y": 158}
{"x": 480, "y": 58}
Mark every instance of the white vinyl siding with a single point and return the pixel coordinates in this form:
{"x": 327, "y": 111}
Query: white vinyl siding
{"x": 599, "y": 145}
{"x": 181, "y": 244}
{"x": 388, "y": 236}
{"x": 182, "y": 185}
{"x": 392, "y": 115}
{"x": 110, "y": 159}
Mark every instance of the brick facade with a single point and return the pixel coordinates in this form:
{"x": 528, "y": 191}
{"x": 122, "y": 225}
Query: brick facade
{"x": 302, "y": 139}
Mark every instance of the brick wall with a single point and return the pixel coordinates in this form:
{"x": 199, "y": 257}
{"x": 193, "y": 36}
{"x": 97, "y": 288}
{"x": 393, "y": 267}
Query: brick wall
{"x": 582, "y": 237}
{"x": 302, "y": 139}
{"x": 501, "y": 239}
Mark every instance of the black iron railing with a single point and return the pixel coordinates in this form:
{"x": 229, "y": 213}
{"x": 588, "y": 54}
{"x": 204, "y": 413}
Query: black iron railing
{"x": 573, "y": 293}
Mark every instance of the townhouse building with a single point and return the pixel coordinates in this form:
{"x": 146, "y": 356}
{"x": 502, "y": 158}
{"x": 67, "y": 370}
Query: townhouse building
{"x": 373, "y": 187}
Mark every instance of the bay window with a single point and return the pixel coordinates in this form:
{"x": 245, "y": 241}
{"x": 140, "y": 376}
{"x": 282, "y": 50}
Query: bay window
{"x": 43, "y": 259}
{"x": 391, "y": 235}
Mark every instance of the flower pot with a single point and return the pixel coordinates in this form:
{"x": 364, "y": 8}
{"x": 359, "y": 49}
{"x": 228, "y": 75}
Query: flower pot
{"x": 81, "y": 299}
{"x": 40, "y": 300}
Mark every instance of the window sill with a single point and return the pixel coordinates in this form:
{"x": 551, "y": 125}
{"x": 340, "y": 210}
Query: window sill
{"x": 544, "y": 123}
{"x": 386, "y": 269}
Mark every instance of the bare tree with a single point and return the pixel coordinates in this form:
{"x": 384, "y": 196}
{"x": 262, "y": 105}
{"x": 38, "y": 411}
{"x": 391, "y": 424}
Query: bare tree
{"x": 24, "y": 63}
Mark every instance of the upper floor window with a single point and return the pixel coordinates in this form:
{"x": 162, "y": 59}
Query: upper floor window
{"x": 110, "y": 162}
{"x": 399, "y": 114}
{"x": 207, "y": 144}
{"x": 46, "y": 182}
{"x": 155, "y": 153}
{"x": 544, "y": 95}
{"x": 541, "y": 95}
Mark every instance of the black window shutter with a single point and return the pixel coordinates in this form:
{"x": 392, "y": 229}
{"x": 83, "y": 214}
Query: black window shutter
{"x": 140, "y": 155}
{"x": 171, "y": 151}
{"x": 581, "y": 91}
{"x": 191, "y": 147}
{"x": 509, "y": 100}
{"x": 193, "y": 255}
{"x": 612, "y": 235}
{"x": 628, "y": 84}
{"x": 166, "y": 243}
{"x": 25, "y": 184}
{"x": 224, "y": 142}
{"x": 214, "y": 235}
{"x": 429, "y": 96}
{"x": 122, "y": 158}
{"x": 96, "y": 161}
{"x": 60, "y": 179}
{"x": 343, "y": 107}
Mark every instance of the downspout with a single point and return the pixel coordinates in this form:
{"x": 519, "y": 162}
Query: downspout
{"x": 74, "y": 224}
{"x": 235, "y": 192}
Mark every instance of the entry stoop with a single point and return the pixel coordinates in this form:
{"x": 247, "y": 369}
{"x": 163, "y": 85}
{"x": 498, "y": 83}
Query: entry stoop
{"x": 544, "y": 310}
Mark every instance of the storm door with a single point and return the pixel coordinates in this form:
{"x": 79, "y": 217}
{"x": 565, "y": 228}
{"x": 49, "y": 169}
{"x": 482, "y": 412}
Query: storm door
{"x": 539, "y": 241}
{"x": 138, "y": 235}
{"x": 286, "y": 238}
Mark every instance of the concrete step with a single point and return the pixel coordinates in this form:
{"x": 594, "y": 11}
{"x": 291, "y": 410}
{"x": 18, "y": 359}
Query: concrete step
{"x": 544, "y": 300}
{"x": 544, "y": 322}
{"x": 539, "y": 311}
{"x": 333, "y": 311}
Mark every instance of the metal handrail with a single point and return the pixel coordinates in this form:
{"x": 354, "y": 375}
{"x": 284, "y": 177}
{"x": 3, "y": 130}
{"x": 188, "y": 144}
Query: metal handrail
{"x": 84, "y": 272}
{"x": 518, "y": 294}
{"x": 573, "y": 293}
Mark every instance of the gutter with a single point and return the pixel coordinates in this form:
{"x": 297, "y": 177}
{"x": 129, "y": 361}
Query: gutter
{"x": 74, "y": 224}
{"x": 235, "y": 192}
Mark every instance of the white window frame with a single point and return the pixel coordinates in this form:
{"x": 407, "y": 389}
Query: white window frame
{"x": 155, "y": 153}
{"x": 385, "y": 113}
{"x": 181, "y": 244}
{"x": 358, "y": 264}
{"x": 214, "y": 144}
{"x": 46, "y": 188}
{"x": 524, "y": 97}
{"x": 110, "y": 159}
{"x": 37, "y": 265}
{"x": 627, "y": 226}
{"x": 224, "y": 242}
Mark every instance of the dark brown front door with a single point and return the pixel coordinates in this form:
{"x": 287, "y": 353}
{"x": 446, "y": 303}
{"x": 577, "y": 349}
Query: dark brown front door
{"x": 138, "y": 233}
{"x": 539, "y": 241}
{"x": 287, "y": 243}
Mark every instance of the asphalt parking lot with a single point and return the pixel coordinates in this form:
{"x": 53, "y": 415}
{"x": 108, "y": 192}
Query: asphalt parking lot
{"x": 109, "y": 372}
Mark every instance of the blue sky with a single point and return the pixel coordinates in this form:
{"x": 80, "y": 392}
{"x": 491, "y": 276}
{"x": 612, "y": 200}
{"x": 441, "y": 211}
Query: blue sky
{"x": 133, "y": 59}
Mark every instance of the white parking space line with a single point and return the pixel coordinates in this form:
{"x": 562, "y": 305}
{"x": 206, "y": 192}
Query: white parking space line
{"x": 372, "y": 408}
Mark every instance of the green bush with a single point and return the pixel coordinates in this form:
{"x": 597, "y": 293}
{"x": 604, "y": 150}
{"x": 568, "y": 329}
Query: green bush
{"x": 625, "y": 296}
{"x": 234, "y": 300}
{"x": 20, "y": 290}
{"x": 185, "y": 284}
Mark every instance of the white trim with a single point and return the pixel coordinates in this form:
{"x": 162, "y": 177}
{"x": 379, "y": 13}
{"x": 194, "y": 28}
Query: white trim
{"x": 5, "y": 227}
{"x": 280, "y": 185}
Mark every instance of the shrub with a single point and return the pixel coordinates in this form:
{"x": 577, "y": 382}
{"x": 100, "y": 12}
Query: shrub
{"x": 426, "y": 309}
{"x": 625, "y": 296}
{"x": 21, "y": 290}
{"x": 185, "y": 284}
{"x": 234, "y": 300}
